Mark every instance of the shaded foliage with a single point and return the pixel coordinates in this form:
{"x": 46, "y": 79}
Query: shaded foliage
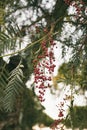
{"x": 79, "y": 117}
{"x": 31, "y": 113}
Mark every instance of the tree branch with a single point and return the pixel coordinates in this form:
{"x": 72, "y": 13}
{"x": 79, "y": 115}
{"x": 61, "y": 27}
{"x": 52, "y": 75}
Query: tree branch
{"x": 75, "y": 23}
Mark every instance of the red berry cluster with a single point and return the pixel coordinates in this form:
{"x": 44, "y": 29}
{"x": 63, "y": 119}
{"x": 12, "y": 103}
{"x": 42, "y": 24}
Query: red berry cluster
{"x": 78, "y": 5}
{"x": 61, "y": 115}
{"x": 58, "y": 123}
{"x": 55, "y": 125}
{"x": 61, "y": 110}
{"x": 68, "y": 2}
{"x": 44, "y": 67}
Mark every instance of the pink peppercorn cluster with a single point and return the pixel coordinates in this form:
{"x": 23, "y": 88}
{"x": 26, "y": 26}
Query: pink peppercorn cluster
{"x": 58, "y": 123}
{"x": 60, "y": 119}
{"x": 55, "y": 126}
{"x": 78, "y": 5}
{"x": 44, "y": 67}
{"x": 68, "y": 2}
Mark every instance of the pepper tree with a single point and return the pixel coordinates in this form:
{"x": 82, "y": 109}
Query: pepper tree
{"x": 33, "y": 39}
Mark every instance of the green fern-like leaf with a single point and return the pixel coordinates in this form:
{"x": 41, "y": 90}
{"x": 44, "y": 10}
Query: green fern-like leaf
{"x": 14, "y": 88}
{"x": 9, "y": 38}
{"x": 3, "y": 82}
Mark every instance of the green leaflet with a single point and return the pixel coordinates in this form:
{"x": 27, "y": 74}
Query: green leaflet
{"x": 14, "y": 88}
